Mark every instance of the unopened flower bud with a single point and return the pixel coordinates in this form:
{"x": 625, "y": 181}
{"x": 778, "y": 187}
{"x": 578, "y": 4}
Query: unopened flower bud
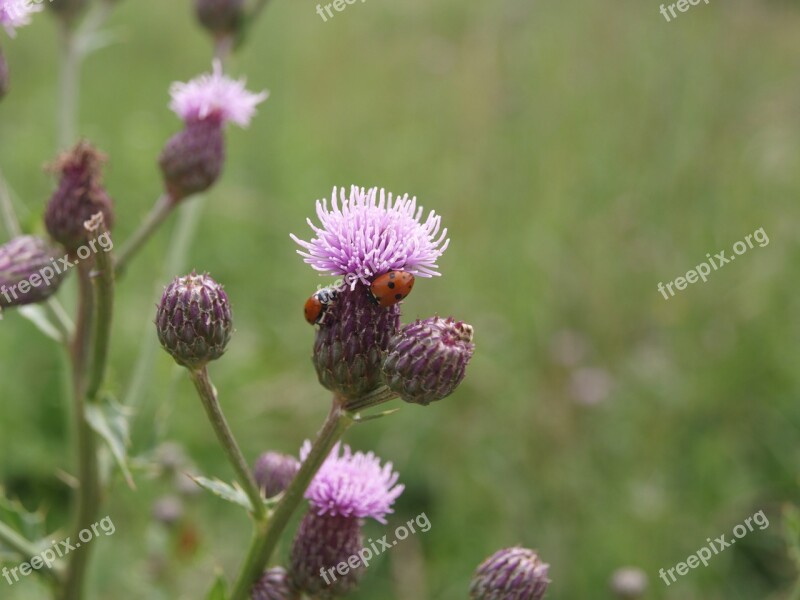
{"x": 194, "y": 320}
{"x": 4, "y": 78}
{"x": 322, "y": 542}
{"x": 192, "y": 159}
{"x": 220, "y": 17}
{"x": 80, "y": 195}
{"x": 427, "y": 360}
{"x": 67, "y": 9}
{"x": 274, "y": 472}
{"x": 510, "y": 573}
{"x": 349, "y": 345}
{"x": 629, "y": 583}
{"x": 273, "y": 585}
{"x": 28, "y": 271}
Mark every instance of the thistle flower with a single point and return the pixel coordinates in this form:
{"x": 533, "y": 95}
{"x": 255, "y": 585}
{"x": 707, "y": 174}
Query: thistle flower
{"x": 427, "y": 360}
{"x": 79, "y": 196}
{"x": 348, "y": 488}
{"x": 192, "y": 160}
{"x": 361, "y": 237}
{"x": 273, "y": 585}
{"x": 194, "y": 321}
{"x": 274, "y": 472}
{"x": 27, "y": 271}
{"x": 17, "y": 13}
{"x": 220, "y": 17}
{"x": 352, "y": 484}
{"x": 512, "y": 573}
{"x": 370, "y": 235}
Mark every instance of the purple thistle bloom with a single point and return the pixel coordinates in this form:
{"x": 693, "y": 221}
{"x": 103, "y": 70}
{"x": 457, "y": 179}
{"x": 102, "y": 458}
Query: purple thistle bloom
{"x": 215, "y": 96}
{"x": 511, "y": 573}
{"x": 367, "y": 235}
{"x": 353, "y": 485}
{"x": 17, "y": 13}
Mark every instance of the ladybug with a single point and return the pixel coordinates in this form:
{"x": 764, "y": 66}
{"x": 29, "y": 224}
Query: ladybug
{"x": 391, "y": 287}
{"x": 318, "y": 304}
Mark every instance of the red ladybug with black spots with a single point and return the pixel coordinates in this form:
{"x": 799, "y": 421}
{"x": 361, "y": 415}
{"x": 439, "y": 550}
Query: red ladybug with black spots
{"x": 317, "y": 305}
{"x": 390, "y": 288}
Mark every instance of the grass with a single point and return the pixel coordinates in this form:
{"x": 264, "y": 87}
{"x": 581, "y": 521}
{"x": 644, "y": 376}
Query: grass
{"x": 579, "y": 154}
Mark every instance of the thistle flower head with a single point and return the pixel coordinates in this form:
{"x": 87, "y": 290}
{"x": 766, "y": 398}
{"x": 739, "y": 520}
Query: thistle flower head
{"x": 17, "y": 13}
{"x": 274, "y": 472}
{"x": 273, "y": 585}
{"x": 220, "y": 17}
{"x": 215, "y": 96}
{"x": 368, "y": 234}
{"x": 352, "y": 484}
{"x": 24, "y": 262}
{"x": 510, "y": 573}
{"x": 194, "y": 321}
{"x": 79, "y": 196}
{"x": 427, "y": 360}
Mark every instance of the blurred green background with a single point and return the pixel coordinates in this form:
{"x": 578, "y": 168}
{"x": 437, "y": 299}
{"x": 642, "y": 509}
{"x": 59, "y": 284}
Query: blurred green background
{"x": 579, "y": 153}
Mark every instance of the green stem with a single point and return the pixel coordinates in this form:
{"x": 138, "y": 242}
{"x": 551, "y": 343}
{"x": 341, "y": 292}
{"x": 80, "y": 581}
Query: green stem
{"x": 88, "y": 472}
{"x": 208, "y": 395}
{"x": 374, "y": 398}
{"x": 267, "y": 536}
{"x": 69, "y": 87}
{"x": 27, "y": 550}
{"x": 157, "y": 215}
{"x": 103, "y": 278}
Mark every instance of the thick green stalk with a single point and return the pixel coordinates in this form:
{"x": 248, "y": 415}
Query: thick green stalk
{"x": 208, "y": 395}
{"x": 267, "y": 535}
{"x": 103, "y": 278}
{"x": 88, "y": 501}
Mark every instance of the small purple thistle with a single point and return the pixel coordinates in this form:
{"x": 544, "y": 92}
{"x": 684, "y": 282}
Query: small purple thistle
{"x": 215, "y": 96}
{"x": 511, "y": 573}
{"x": 353, "y": 484}
{"x": 273, "y": 585}
{"x": 274, "y": 472}
{"x": 367, "y": 235}
{"x": 17, "y": 13}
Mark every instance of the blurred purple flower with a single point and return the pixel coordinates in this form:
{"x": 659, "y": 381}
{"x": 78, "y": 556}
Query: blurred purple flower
{"x": 17, "y": 13}
{"x": 365, "y": 235}
{"x": 352, "y": 485}
{"x": 215, "y": 96}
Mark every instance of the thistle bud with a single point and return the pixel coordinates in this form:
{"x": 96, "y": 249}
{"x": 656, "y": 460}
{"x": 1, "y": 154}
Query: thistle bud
{"x": 274, "y": 472}
{"x": 3, "y": 75}
{"x": 79, "y": 196}
{"x": 321, "y": 543}
{"x": 194, "y": 320}
{"x": 192, "y": 159}
{"x": 427, "y": 360}
{"x": 28, "y": 272}
{"x": 510, "y": 573}
{"x": 349, "y": 345}
{"x": 67, "y": 10}
{"x": 272, "y": 586}
{"x": 220, "y": 17}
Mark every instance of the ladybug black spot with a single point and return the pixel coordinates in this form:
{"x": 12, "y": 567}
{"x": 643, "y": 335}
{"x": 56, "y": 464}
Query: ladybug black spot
{"x": 398, "y": 296}
{"x": 391, "y": 285}
{"x": 391, "y": 276}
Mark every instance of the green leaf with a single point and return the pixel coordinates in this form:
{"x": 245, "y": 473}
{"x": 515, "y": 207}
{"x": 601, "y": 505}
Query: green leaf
{"x": 108, "y": 418}
{"x": 219, "y": 591}
{"x": 30, "y": 525}
{"x": 234, "y": 494}
{"x": 36, "y": 315}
